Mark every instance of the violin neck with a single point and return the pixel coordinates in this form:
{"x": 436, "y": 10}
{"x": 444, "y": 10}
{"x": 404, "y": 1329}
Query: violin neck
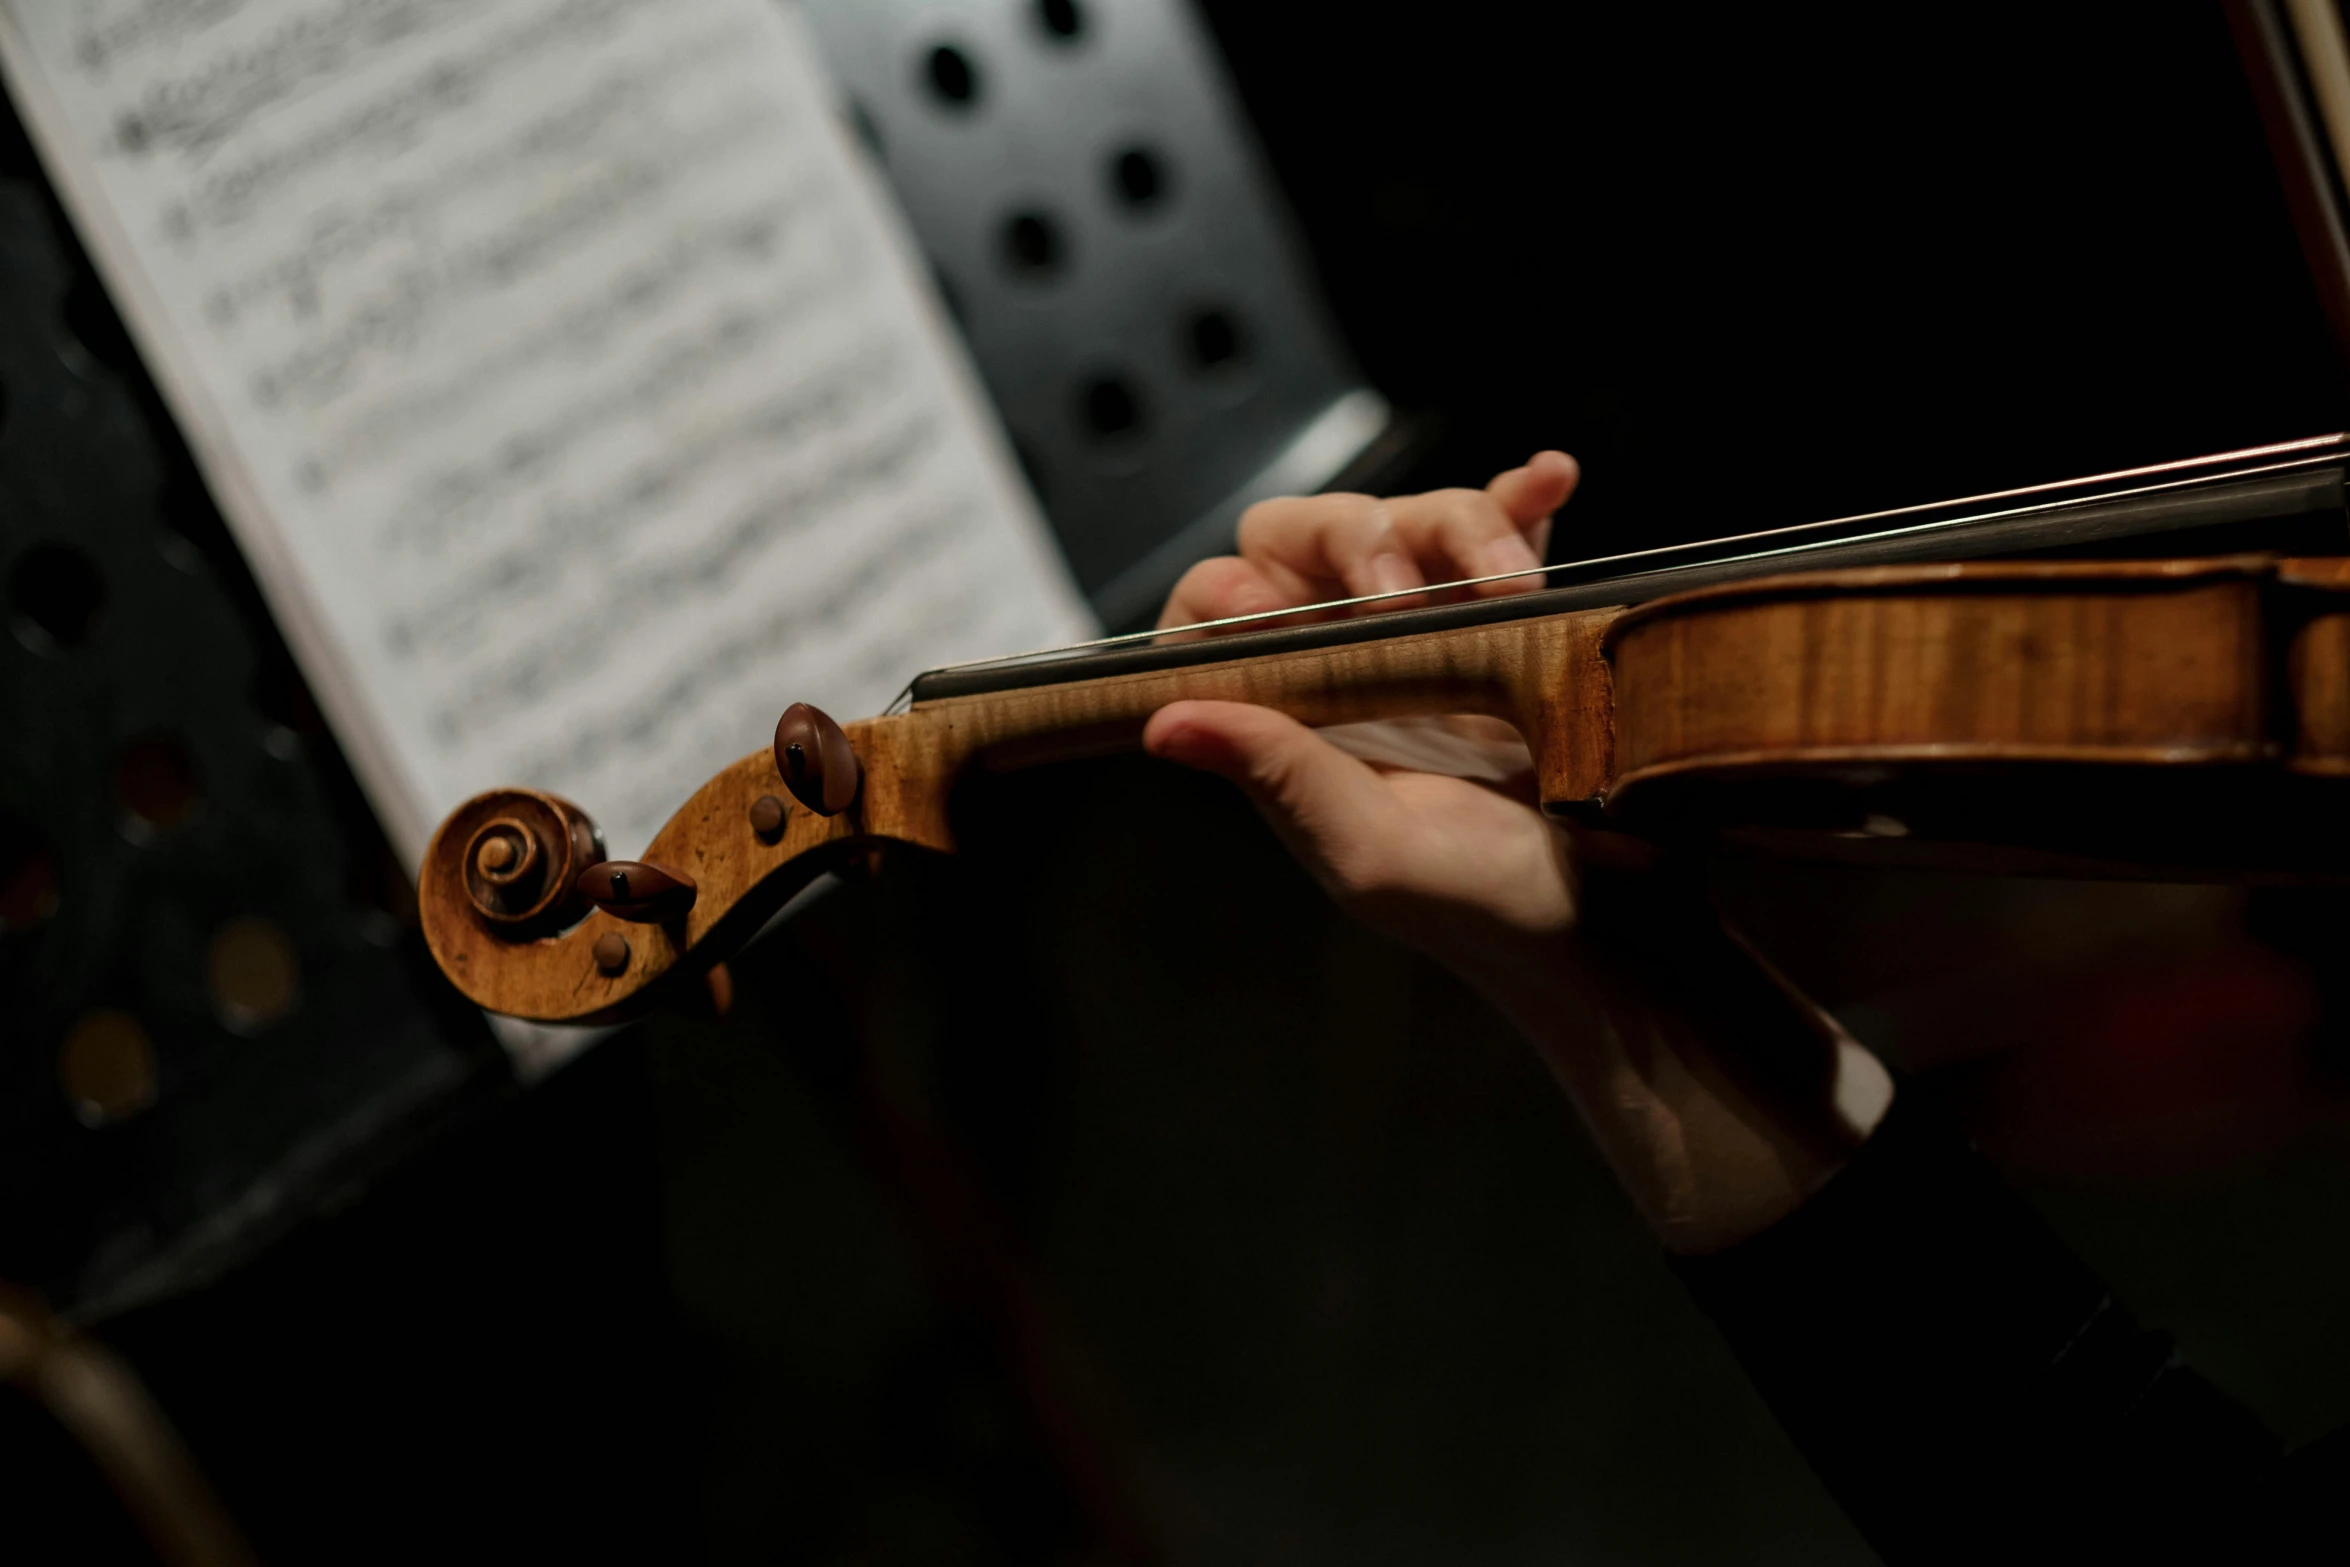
{"x": 1543, "y": 674}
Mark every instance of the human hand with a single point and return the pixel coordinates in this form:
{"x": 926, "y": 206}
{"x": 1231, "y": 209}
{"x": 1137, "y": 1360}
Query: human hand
{"x": 1308, "y": 549}
{"x": 1425, "y": 829}
{"x": 1720, "y": 1096}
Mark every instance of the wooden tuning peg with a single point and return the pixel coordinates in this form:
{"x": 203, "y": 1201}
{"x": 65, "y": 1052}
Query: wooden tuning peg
{"x": 818, "y": 764}
{"x": 633, "y": 890}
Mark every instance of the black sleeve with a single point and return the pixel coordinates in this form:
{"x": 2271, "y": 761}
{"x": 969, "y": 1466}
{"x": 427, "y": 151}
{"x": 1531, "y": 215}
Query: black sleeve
{"x": 1968, "y": 1391}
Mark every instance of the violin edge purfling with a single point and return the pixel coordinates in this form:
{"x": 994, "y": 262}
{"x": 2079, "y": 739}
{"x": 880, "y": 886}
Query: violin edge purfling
{"x": 1964, "y": 695}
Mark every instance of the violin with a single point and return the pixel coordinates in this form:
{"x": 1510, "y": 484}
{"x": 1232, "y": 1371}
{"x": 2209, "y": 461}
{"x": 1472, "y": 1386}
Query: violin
{"x": 2006, "y": 683}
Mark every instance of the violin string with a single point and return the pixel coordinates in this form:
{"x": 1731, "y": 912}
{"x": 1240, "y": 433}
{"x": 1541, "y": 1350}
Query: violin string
{"x": 2296, "y": 454}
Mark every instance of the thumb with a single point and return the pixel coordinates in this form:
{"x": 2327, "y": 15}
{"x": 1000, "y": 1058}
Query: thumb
{"x": 1324, "y": 804}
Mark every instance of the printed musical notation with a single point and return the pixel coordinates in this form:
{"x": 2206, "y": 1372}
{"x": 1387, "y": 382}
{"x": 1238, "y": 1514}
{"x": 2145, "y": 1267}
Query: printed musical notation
{"x": 559, "y": 367}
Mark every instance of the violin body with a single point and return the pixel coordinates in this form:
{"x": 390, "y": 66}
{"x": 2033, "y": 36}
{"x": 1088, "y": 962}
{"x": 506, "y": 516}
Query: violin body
{"x": 2179, "y": 719}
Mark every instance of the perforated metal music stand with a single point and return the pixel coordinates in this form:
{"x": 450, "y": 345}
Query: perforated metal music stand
{"x": 1103, "y": 229}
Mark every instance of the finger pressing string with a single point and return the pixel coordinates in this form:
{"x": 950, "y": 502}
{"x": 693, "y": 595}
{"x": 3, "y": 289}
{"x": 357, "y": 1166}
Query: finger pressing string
{"x": 1298, "y": 553}
{"x": 1457, "y": 534}
{"x": 1310, "y": 544}
{"x": 1219, "y": 588}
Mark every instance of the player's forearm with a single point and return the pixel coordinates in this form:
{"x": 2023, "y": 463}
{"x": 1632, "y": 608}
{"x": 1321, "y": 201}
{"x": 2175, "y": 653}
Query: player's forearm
{"x": 1720, "y": 1098}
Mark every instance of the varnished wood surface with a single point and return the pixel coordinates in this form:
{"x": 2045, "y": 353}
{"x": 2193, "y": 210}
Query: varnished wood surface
{"x": 2047, "y": 663}
{"x": 2237, "y": 667}
{"x": 2317, "y": 666}
{"x": 2319, "y": 669}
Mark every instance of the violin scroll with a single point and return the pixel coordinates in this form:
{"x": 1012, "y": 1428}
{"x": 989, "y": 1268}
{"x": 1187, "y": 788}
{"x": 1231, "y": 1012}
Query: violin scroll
{"x": 527, "y": 915}
{"x": 518, "y": 856}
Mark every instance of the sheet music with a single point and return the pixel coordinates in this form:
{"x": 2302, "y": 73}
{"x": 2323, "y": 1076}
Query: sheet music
{"x": 559, "y": 365}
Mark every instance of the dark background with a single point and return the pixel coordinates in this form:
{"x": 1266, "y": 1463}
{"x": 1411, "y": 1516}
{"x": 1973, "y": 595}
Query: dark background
{"x": 1099, "y": 1195}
